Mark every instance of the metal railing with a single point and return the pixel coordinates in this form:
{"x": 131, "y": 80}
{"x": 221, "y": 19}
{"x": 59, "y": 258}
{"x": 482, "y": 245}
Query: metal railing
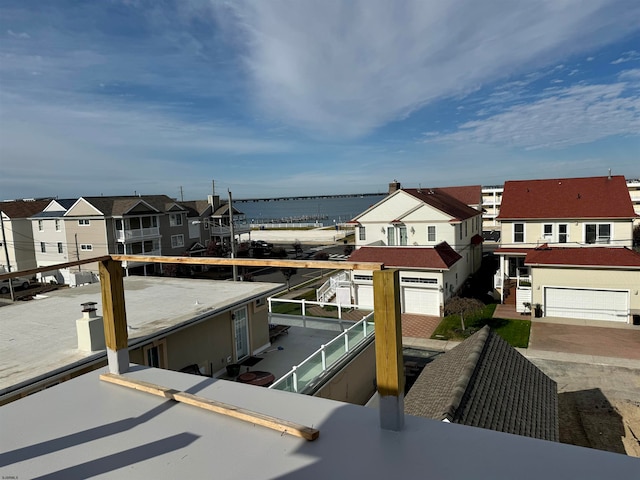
{"x": 304, "y": 304}
{"x": 306, "y": 373}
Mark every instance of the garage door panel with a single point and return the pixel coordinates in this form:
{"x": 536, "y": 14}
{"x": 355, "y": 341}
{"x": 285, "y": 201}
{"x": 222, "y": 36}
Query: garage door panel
{"x": 590, "y": 304}
{"x": 421, "y": 301}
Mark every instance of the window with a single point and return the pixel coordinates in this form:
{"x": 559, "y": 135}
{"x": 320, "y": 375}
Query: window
{"x": 175, "y": 219}
{"x": 87, "y": 247}
{"x": 177, "y": 241}
{"x": 466, "y": 228}
{"x": 43, "y": 247}
{"x": 431, "y": 233}
{"x": 57, "y": 225}
{"x": 403, "y": 235}
{"x": 547, "y": 231}
{"x": 518, "y": 233}
{"x": 84, "y": 222}
{"x": 367, "y": 278}
{"x": 460, "y": 232}
{"x": 563, "y": 233}
{"x": 362, "y": 233}
{"x": 391, "y": 236}
{"x": 155, "y": 354}
{"x": 206, "y": 224}
{"x": 40, "y": 226}
{"x": 60, "y": 248}
{"x": 597, "y": 233}
{"x": 430, "y": 281}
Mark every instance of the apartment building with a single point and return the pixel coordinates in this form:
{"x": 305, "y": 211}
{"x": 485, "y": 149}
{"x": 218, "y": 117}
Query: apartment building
{"x": 17, "y": 252}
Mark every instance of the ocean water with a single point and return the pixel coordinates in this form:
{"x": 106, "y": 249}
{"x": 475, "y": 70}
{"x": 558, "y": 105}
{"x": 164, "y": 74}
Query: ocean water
{"x": 326, "y": 210}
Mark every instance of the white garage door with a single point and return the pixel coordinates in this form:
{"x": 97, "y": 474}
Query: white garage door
{"x": 422, "y": 301}
{"x": 590, "y": 304}
{"x": 364, "y": 296}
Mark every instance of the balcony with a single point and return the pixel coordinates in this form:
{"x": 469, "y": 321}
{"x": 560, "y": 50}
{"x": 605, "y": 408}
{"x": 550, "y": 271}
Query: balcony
{"x": 137, "y": 234}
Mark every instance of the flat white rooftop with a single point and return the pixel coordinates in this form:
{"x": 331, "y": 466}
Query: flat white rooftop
{"x": 39, "y": 336}
{"x": 84, "y": 428}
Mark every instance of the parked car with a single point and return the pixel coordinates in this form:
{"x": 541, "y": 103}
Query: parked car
{"x": 17, "y": 282}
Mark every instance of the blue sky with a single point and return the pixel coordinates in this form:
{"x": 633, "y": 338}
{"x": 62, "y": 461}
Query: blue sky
{"x": 272, "y": 98}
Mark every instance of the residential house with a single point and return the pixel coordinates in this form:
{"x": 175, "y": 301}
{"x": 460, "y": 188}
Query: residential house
{"x": 434, "y": 235}
{"x": 484, "y": 382}
{"x": 173, "y": 323}
{"x": 542, "y": 220}
{"x": 16, "y": 235}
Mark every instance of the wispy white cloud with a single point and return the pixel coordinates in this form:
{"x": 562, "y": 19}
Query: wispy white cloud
{"x": 561, "y": 117}
{"x": 629, "y": 56}
{"x": 632, "y": 75}
{"x": 13, "y": 34}
{"x": 345, "y": 68}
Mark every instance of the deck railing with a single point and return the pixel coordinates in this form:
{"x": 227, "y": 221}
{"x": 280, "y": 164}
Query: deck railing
{"x": 327, "y": 356}
{"x": 328, "y": 288}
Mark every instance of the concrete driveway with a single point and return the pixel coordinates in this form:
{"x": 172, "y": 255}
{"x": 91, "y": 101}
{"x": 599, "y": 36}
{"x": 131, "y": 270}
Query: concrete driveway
{"x": 586, "y": 340}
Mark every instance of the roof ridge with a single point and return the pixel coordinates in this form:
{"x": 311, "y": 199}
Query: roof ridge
{"x": 467, "y": 372}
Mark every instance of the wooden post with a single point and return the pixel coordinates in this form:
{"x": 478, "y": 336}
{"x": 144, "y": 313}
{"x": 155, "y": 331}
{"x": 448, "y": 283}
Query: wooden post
{"x": 114, "y": 315}
{"x": 389, "y": 362}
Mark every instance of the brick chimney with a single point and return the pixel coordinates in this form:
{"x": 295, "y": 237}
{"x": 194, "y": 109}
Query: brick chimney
{"x": 393, "y": 186}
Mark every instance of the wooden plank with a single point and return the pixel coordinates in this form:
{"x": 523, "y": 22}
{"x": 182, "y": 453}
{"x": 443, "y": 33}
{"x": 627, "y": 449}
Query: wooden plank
{"x": 257, "y": 418}
{"x": 253, "y": 262}
{"x": 50, "y": 268}
{"x": 113, "y": 309}
{"x": 388, "y": 327}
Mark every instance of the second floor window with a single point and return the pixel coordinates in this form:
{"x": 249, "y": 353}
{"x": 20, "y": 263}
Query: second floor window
{"x": 518, "y": 233}
{"x": 40, "y": 226}
{"x": 547, "y": 231}
{"x": 43, "y": 247}
{"x": 177, "y": 241}
{"x": 362, "y": 232}
{"x": 87, "y": 247}
{"x": 431, "y": 233}
{"x": 57, "y": 225}
{"x": 84, "y": 221}
{"x": 60, "y": 248}
{"x": 563, "y": 233}
{"x": 175, "y": 219}
{"x": 391, "y": 236}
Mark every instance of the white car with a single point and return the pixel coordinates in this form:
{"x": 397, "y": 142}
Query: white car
{"x": 17, "y": 282}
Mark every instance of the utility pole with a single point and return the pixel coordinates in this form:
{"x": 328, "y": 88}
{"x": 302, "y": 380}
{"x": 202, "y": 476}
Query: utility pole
{"x": 6, "y": 254}
{"x": 78, "y": 253}
{"x": 233, "y": 237}
{"x": 181, "y": 194}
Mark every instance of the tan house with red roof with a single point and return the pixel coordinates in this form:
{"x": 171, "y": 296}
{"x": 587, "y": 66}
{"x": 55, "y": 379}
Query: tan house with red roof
{"x": 552, "y": 251}
{"x": 433, "y": 235}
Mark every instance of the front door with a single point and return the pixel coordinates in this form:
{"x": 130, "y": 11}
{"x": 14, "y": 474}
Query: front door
{"x": 241, "y": 332}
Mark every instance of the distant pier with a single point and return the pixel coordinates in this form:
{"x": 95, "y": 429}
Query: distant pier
{"x": 305, "y": 197}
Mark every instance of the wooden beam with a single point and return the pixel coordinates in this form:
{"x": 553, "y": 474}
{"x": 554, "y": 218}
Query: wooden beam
{"x": 257, "y": 418}
{"x": 50, "y": 268}
{"x": 114, "y": 315}
{"x": 389, "y": 362}
{"x": 253, "y": 262}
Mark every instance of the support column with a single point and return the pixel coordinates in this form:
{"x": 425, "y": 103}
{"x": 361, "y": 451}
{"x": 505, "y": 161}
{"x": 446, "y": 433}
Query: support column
{"x": 114, "y": 316}
{"x": 389, "y": 362}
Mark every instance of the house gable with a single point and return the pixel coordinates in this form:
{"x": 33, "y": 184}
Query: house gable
{"x": 83, "y": 208}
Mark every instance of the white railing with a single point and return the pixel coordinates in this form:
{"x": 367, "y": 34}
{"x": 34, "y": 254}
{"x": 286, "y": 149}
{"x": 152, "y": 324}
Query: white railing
{"x": 314, "y": 366}
{"x": 304, "y": 305}
{"x": 137, "y": 233}
{"x": 523, "y": 299}
{"x": 499, "y": 279}
{"x": 225, "y": 231}
{"x": 271, "y": 226}
{"x": 328, "y": 289}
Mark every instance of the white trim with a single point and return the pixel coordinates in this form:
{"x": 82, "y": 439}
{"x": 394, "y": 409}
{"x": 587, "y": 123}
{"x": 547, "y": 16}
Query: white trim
{"x": 261, "y": 349}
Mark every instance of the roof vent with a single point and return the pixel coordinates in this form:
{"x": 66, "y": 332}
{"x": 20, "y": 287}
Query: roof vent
{"x": 609, "y": 177}
{"x": 579, "y": 197}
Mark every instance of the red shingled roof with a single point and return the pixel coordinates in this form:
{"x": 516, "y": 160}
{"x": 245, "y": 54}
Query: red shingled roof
{"x": 442, "y": 256}
{"x": 22, "y": 209}
{"x": 443, "y": 201}
{"x": 587, "y": 256}
{"x": 469, "y": 195}
{"x": 591, "y": 197}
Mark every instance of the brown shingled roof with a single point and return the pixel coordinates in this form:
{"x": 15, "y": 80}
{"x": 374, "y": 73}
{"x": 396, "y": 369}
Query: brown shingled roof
{"x": 469, "y": 195}
{"x": 591, "y": 197}
{"x": 486, "y": 383}
{"x": 440, "y": 257}
{"x": 23, "y": 209}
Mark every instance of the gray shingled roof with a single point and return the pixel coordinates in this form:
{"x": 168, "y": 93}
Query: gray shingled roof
{"x": 484, "y": 382}
{"x": 118, "y": 206}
